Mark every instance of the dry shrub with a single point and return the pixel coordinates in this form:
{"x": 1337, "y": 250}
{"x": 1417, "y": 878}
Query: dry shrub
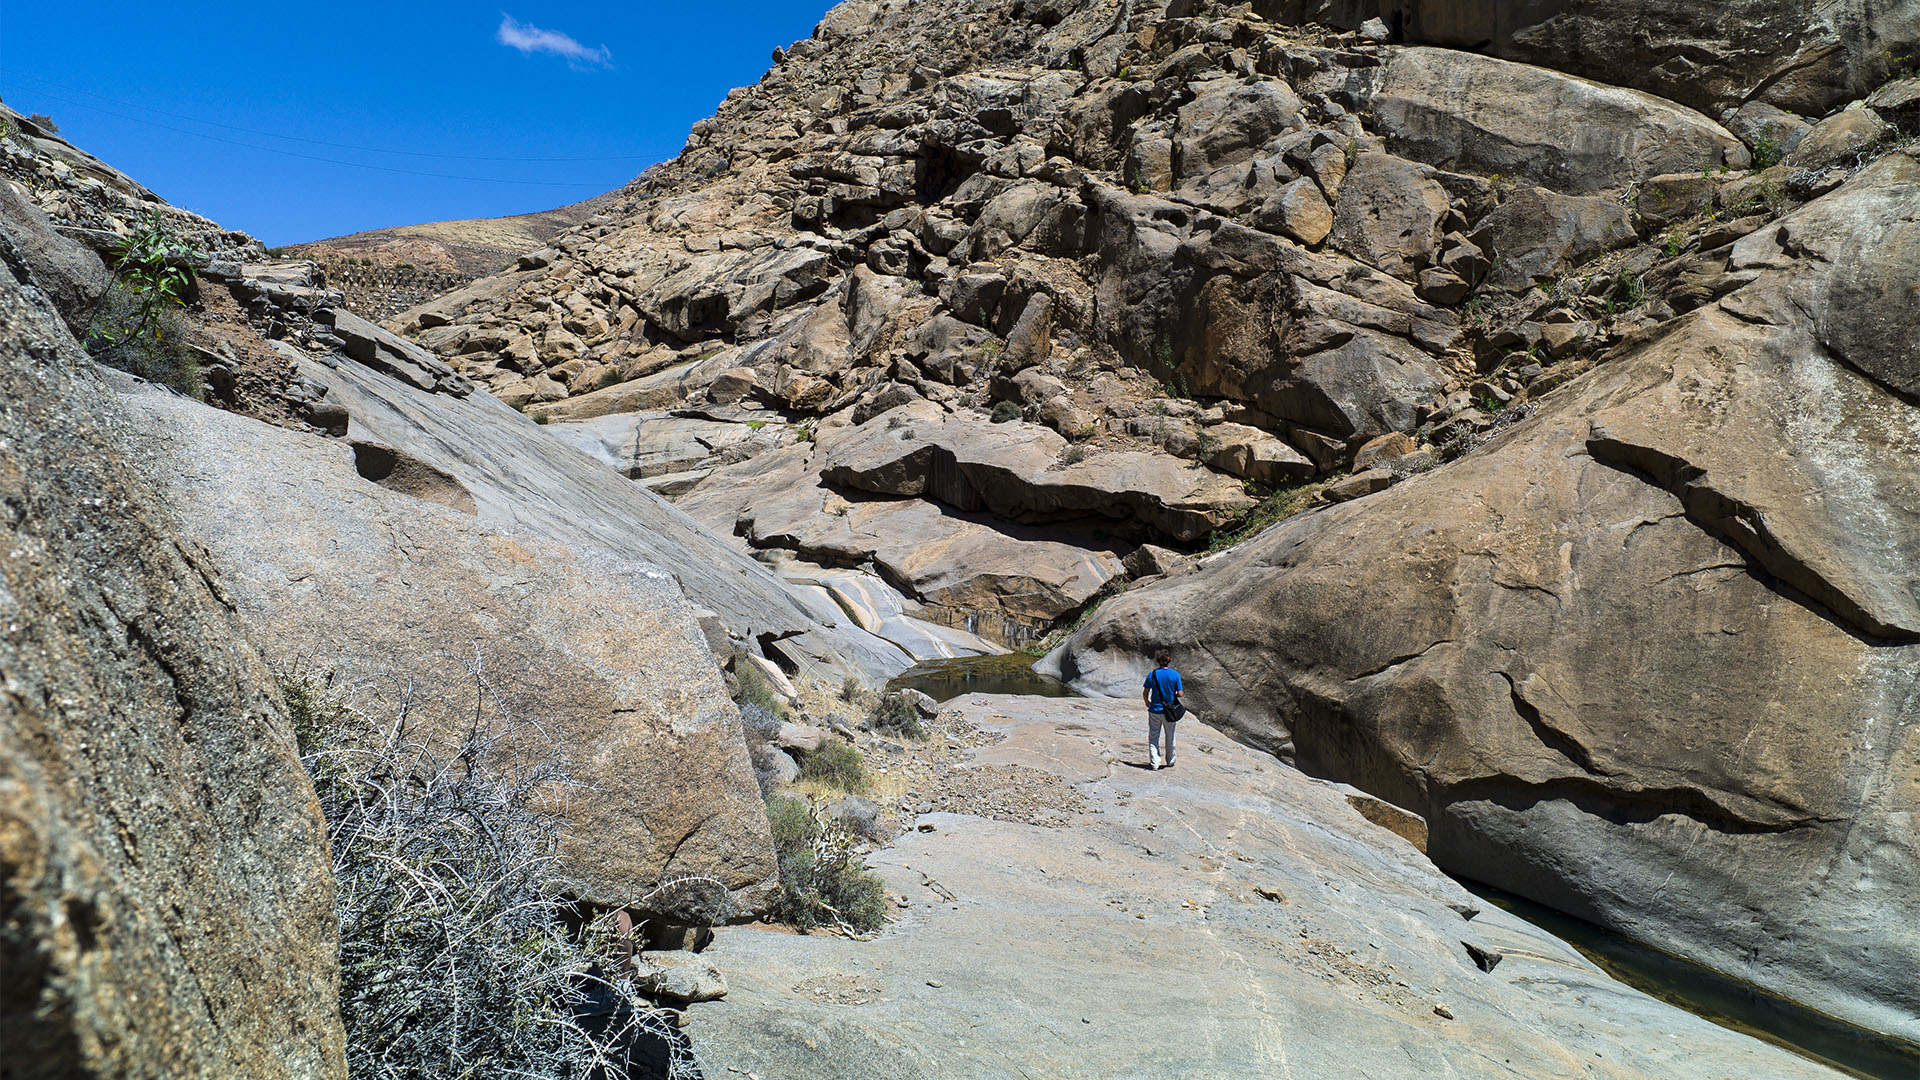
{"x": 456, "y": 957}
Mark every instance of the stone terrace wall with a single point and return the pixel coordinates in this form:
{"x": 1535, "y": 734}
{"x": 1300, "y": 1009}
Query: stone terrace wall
{"x": 378, "y": 293}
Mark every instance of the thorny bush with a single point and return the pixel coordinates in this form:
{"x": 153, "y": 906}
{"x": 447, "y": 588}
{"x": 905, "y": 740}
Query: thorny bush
{"x": 456, "y": 958}
{"x": 823, "y": 879}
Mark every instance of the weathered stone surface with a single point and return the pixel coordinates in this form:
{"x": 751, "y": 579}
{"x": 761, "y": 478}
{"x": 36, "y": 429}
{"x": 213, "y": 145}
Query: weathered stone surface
{"x": 1300, "y": 211}
{"x": 72, "y": 277}
{"x": 1463, "y": 111}
{"x": 1252, "y": 454}
{"x": 1013, "y": 471}
{"x": 682, "y": 976}
{"x": 647, "y": 444}
{"x": 1536, "y": 234}
{"x": 1365, "y": 482}
{"x": 1367, "y": 385}
{"x": 167, "y": 899}
{"x": 335, "y": 572}
{"x": 1807, "y": 57}
{"x": 1693, "y": 580}
{"x": 1839, "y": 138}
{"x": 1230, "y": 120}
{"x": 990, "y": 577}
{"x": 1258, "y": 913}
{"x": 1390, "y": 214}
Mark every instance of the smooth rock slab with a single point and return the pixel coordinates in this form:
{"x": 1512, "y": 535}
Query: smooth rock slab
{"x": 1228, "y": 917}
{"x": 1459, "y": 110}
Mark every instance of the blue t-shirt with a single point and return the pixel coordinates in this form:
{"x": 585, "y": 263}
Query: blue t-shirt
{"x": 1164, "y": 682}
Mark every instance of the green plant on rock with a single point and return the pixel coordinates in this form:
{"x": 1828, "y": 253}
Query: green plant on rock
{"x": 1276, "y": 507}
{"x": 823, "y": 880}
{"x": 1676, "y": 243}
{"x": 1004, "y": 411}
{"x": 1074, "y": 455}
{"x": 1163, "y": 351}
{"x": 754, "y": 688}
{"x": 835, "y": 763}
{"x": 137, "y": 327}
{"x": 609, "y": 377}
{"x": 1766, "y": 151}
{"x": 156, "y": 268}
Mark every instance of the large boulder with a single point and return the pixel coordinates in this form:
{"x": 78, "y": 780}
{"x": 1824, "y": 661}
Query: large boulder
{"x": 1390, "y": 214}
{"x": 1019, "y": 472}
{"x": 339, "y": 571}
{"x": 1796, "y": 55}
{"x": 965, "y": 569}
{"x": 166, "y": 902}
{"x": 1459, "y": 110}
{"x": 71, "y": 276}
{"x": 1650, "y": 656}
{"x": 1535, "y": 234}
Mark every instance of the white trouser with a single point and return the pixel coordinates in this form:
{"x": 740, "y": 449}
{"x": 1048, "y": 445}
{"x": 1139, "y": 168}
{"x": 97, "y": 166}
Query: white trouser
{"x": 1157, "y": 723}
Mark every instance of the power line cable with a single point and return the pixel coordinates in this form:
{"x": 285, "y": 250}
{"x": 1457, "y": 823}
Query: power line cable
{"x": 315, "y": 157}
{"x": 318, "y": 142}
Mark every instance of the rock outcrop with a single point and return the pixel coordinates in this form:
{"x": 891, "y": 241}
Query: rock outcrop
{"x": 1650, "y": 656}
{"x": 166, "y": 901}
{"x": 385, "y": 573}
{"x": 1806, "y": 57}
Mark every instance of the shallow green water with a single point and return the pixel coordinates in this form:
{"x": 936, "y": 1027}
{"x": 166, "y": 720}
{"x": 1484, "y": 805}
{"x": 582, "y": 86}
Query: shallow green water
{"x": 1720, "y": 998}
{"x": 1009, "y": 674}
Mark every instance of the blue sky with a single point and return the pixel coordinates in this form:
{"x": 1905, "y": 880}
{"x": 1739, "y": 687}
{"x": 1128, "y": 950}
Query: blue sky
{"x": 473, "y": 91}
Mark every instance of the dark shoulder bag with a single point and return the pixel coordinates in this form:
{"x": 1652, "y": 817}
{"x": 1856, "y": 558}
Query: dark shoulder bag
{"x": 1174, "y": 710}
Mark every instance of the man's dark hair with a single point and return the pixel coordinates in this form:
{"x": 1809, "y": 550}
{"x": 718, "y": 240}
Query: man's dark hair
{"x": 1163, "y": 658}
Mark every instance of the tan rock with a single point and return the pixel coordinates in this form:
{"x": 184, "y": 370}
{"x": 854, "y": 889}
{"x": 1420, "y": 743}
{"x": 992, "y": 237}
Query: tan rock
{"x": 1693, "y": 579}
{"x": 1463, "y": 111}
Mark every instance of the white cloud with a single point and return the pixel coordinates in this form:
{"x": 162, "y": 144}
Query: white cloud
{"x": 531, "y": 39}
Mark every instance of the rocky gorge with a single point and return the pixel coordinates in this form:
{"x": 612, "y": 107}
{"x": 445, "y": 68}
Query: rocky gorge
{"x": 1507, "y": 418}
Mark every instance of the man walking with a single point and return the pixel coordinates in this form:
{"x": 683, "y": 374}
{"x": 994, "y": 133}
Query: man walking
{"x": 1161, "y": 692}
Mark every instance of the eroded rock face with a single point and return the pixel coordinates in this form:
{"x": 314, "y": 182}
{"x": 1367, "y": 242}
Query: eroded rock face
{"x": 166, "y": 904}
{"x": 1649, "y": 657}
{"x": 379, "y": 588}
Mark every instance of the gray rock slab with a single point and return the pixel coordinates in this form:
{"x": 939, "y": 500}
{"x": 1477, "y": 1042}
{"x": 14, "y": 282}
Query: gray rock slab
{"x": 1227, "y": 917}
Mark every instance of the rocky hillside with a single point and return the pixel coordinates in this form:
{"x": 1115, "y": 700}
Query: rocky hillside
{"x": 469, "y": 247}
{"x": 1592, "y": 346}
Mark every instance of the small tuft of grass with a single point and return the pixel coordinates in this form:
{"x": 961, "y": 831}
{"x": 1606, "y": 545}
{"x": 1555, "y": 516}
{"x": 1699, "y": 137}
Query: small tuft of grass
{"x": 836, "y": 764}
{"x": 1274, "y": 508}
{"x": 1004, "y": 411}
